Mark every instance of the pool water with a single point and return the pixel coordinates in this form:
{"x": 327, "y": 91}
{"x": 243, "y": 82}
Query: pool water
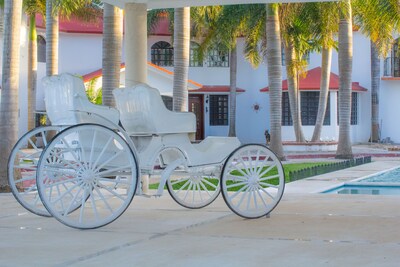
{"x": 385, "y": 183}
{"x": 364, "y": 190}
{"x": 391, "y": 176}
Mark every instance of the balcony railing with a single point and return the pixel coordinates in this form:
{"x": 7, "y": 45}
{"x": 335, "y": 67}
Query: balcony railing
{"x": 392, "y": 67}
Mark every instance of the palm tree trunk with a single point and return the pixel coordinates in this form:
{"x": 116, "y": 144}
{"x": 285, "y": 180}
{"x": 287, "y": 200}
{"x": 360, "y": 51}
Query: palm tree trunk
{"x": 32, "y": 71}
{"x": 274, "y": 61}
{"x": 181, "y": 58}
{"x": 10, "y": 86}
{"x": 232, "y": 91}
{"x": 323, "y": 93}
{"x": 293, "y": 90}
{"x": 51, "y": 39}
{"x": 344, "y": 149}
{"x": 112, "y": 47}
{"x": 375, "y": 88}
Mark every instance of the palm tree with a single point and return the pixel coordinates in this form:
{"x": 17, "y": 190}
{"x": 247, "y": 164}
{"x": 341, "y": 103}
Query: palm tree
{"x": 32, "y": 7}
{"x": 112, "y": 46}
{"x": 325, "y": 15}
{"x": 295, "y": 41}
{"x": 274, "y": 61}
{"x": 378, "y": 19}
{"x": 181, "y": 28}
{"x": 344, "y": 149}
{"x": 181, "y": 58}
{"x": 66, "y": 8}
{"x": 229, "y": 23}
{"x": 51, "y": 38}
{"x": 10, "y": 84}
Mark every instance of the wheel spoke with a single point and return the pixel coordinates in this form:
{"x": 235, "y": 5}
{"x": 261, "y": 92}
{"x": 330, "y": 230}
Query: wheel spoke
{"x": 244, "y": 166}
{"x": 115, "y": 181}
{"x": 205, "y": 189}
{"x": 26, "y": 178}
{"x": 103, "y": 151}
{"x": 269, "y": 177}
{"x": 32, "y": 144}
{"x": 238, "y": 184}
{"x": 239, "y": 191}
{"x": 59, "y": 198}
{"x": 210, "y": 184}
{"x": 188, "y": 182}
{"x": 268, "y": 185}
{"x": 44, "y": 138}
{"x": 70, "y": 207}
{"x": 109, "y": 160}
{"x": 266, "y": 192}
{"x": 116, "y": 169}
{"x": 104, "y": 199}
{"x": 92, "y": 149}
{"x": 262, "y": 199}
{"x": 243, "y": 196}
{"x": 266, "y": 170}
{"x": 236, "y": 177}
{"x": 72, "y": 152}
{"x": 110, "y": 190}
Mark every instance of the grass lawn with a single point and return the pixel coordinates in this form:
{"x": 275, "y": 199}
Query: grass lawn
{"x": 286, "y": 167}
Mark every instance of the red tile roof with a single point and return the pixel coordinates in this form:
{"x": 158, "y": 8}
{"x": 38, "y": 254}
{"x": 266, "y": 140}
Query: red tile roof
{"x": 74, "y": 25}
{"x": 202, "y": 88}
{"x": 312, "y": 82}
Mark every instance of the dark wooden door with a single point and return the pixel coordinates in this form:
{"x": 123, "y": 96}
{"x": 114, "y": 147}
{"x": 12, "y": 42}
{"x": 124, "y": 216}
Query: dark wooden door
{"x": 197, "y": 107}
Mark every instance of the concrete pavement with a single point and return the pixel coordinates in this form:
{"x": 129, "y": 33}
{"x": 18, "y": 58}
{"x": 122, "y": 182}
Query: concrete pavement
{"x": 306, "y": 229}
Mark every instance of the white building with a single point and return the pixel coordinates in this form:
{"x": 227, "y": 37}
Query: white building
{"x": 80, "y": 53}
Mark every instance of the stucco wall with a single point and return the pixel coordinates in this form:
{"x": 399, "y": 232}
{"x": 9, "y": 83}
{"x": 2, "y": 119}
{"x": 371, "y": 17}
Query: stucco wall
{"x": 81, "y": 54}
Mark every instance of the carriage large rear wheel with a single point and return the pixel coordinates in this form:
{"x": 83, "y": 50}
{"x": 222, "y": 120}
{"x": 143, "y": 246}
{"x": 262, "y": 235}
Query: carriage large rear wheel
{"x": 22, "y": 165}
{"x": 253, "y": 181}
{"x": 91, "y": 167}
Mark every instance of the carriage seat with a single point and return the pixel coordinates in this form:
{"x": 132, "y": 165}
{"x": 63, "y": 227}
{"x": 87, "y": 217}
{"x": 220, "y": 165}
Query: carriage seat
{"x": 65, "y": 94}
{"x": 143, "y": 113}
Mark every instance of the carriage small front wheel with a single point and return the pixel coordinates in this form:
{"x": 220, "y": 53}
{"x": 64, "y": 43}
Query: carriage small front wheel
{"x": 252, "y": 181}
{"x": 87, "y": 176}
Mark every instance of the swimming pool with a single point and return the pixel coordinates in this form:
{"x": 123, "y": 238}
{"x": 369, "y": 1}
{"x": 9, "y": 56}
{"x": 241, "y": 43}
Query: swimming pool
{"x": 383, "y": 183}
{"x": 390, "y": 176}
{"x": 351, "y": 189}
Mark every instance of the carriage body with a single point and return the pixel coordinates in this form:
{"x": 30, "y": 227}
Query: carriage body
{"x": 98, "y": 158}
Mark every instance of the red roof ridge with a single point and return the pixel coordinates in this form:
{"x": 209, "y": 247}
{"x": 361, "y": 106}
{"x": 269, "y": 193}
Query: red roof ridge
{"x": 98, "y": 73}
{"x": 312, "y": 82}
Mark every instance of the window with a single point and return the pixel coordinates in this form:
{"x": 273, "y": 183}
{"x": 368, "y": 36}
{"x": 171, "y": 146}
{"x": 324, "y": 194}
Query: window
{"x": 286, "y": 116}
{"x": 218, "y": 110}
{"x": 309, "y": 108}
{"x": 354, "y": 109}
{"x": 162, "y": 54}
{"x": 218, "y": 57}
{"x": 392, "y": 63}
{"x": 194, "y": 55}
{"x": 41, "y": 49}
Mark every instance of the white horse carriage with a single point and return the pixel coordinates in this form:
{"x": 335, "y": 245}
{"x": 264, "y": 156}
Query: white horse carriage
{"x": 86, "y": 167}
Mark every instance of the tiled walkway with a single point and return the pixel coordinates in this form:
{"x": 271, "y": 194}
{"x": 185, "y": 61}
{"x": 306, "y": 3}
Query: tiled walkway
{"x": 306, "y": 229}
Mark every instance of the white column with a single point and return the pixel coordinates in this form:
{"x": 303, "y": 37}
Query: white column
{"x": 135, "y": 44}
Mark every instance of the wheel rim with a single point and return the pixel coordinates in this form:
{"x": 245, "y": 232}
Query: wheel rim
{"x": 22, "y": 166}
{"x": 253, "y": 181}
{"x": 87, "y": 176}
{"x": 194, "y": 188}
